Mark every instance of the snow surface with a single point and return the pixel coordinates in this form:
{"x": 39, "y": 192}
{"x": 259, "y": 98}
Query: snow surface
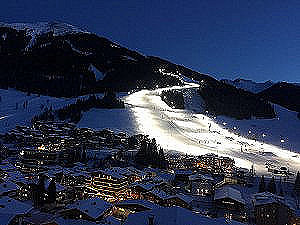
{"x": 13, "y": 113}
{"x": 286, "y": 128}
{"x": 197, "y": 134}
{"x": 115, "y": 119}
{"x": 179, "y": 216}
{"x": 249, "y": 85}
{"x": 98, "y": 74}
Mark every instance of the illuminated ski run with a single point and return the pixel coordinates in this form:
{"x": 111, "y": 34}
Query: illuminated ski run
{"x": 197, "y": 134}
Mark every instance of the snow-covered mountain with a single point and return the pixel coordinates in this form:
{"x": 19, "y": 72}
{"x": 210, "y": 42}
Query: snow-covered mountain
{"x": 44, "y": 57}
{"x": 34, "y": 30}
{"x": 249, "y": 85}
{"x": 58, "y": 28}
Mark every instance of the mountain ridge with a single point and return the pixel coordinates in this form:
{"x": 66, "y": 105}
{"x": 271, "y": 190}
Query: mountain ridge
{"x": 35, "y": 59}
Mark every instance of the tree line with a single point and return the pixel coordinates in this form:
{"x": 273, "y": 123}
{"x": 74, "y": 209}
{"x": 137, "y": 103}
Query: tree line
{"x": 73, "y": 112}
{"x": 150, "y": 154}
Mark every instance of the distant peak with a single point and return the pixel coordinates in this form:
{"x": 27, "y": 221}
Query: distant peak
{"x": 32, "y": 29}
{"x": 250, "y": 85}
{"x": 35, "y": 30}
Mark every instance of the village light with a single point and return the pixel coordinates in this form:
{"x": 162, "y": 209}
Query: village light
{"x": 282, "y": 141}
{"x": 264, "y": 135}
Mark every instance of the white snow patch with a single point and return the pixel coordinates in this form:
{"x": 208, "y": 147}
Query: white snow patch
{"x": 12, "y": 111}
{"x": 77, "y": 50}
{"x": 4, "y": 36}
{"x": 98, "y": 74}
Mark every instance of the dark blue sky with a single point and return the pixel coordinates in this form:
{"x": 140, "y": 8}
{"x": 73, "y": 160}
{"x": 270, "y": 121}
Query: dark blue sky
{"x": 259, "y": 40}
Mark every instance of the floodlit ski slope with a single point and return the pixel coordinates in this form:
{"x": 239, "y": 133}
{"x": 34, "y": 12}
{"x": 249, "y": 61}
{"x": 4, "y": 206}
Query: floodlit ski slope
{"x": 197, "y": 134}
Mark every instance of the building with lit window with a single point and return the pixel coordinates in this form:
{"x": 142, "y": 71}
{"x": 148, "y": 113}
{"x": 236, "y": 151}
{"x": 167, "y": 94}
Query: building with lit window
{"x": 272, "y": 209}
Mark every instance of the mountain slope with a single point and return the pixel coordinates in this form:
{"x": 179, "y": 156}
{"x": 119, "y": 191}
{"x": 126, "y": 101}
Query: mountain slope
{"x": 61, "y": 60}
{"x": 54, "y": 59}
{"x": 284, "y": 94}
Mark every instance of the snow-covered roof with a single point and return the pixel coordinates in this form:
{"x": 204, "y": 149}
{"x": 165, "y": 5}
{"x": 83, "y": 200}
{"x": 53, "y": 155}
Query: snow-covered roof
{"x": 37, "y": 217}
{"x": 183, "y": 172}
{"x": 199, "y": 176}
{"x": 142, "y": 202}
{"x": 183, "y": 197}
{"x": 92, "y": 207}
{"x": 265, "y": 198}
{"x": 229, "y": 192}
{"x": 7, "y": 186}
{"x": 12, "y": 206}
{"x": 5, "y": 218}
{"x": 7, "y": 166}
{"x": 160, "y": 193}
{"x": 174, "y": 216}
{"x": 62, "y": 221}
{"x": 146, "y": 185}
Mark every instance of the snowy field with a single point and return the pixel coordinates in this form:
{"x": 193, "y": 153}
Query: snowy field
{"x": 13, "y": 112}
{"x": 197, "y": 134}
{"x": 114, "y": 119}
{"x": 283, "y": 131}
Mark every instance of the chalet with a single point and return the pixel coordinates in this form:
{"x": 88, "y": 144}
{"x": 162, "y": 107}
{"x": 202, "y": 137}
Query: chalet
{"x": 229, "y": 203}
{"x": 173, "y": 216}
{"x": 272, "y": 209}
{"x": 182, "y": 175}
{"x": 122, "y": 209}
{"x": 91, "y": 210}
{"x": 161, "y": 197}
{"x": 200, "y": 184}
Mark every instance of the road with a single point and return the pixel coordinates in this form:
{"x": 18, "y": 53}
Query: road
{"x": 197, "y": 134}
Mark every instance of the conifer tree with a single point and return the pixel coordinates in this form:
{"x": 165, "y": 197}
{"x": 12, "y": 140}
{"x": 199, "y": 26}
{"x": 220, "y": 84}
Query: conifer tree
{"x": 297, "y": 184}
{"x": 272, "y": 186}
{"x": 262, "y": 185}
{"x": 41, "y": 183}
{"x": 52, "y": 192}
{"x": 83, "y": 155}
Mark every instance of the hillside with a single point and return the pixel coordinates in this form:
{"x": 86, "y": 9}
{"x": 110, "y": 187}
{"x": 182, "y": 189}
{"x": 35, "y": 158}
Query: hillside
{"x": 284, "y": 94}
{"x": 61, "y": 60}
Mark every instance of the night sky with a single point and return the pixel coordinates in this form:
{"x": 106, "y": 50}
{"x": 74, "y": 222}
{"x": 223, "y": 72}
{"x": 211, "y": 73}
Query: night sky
{"x": 258, "y": 40}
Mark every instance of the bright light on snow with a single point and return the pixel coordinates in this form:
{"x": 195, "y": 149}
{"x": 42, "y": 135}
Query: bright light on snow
{"x": 197, "y": 134}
